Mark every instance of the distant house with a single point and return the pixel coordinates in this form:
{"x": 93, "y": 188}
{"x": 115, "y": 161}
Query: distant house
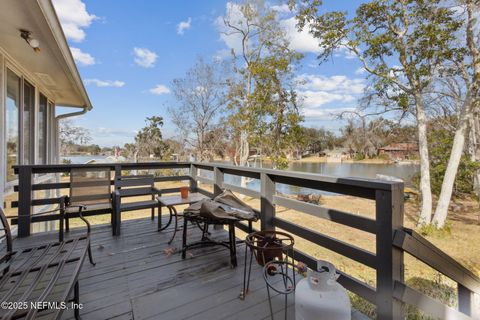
{"x": 399, "y": 151}
{"x": 337, "y": 155}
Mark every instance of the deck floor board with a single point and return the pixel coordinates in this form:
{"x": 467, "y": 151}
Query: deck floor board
{"x": 134, "y": 278}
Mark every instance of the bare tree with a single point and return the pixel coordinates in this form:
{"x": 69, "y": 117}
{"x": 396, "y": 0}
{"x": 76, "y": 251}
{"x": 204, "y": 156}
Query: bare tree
{"x": 201, "y": 97}
{"x": 467, "y": 67}
{"x": 70, "y": 135}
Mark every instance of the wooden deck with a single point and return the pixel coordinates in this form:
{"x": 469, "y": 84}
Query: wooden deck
{"x": 135, "y": 278}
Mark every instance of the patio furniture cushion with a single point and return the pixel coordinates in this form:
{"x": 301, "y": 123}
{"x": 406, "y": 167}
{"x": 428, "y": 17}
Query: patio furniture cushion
{"x": 225, "y": 206}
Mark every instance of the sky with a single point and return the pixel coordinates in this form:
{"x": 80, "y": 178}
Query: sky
{"x": 128, "y": 53}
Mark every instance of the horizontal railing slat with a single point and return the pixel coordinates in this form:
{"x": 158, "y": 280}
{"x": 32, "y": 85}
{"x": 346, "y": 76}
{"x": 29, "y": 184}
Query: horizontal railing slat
{"x": 204, "y": 180}
{"x": 319, "y": 184}
{"x": 172, "y": 178}
{"x": 244, "y": 191}
{"x": 205, "y": 192}
{"x": 365, "y": 257}
{"x": 66, "y": 185}
{"x": 56, "y": 168}
{"x": 420, "y": 248}
{"x": 204, "y": 166}
{"x": 169, "y": 190}
{"x": 359, "y": 183}
{"x": 47, "y": 186}
{"x": 428, "y": 305}
{"x": 348, "y": 219}
{"x": 241, "y": 173}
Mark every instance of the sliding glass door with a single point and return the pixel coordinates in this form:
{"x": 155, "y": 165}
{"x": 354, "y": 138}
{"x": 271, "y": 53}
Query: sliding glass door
{"x": 12, "y": 122}
{"x": 42, "y": 129}
{"x": 28, "y": 121}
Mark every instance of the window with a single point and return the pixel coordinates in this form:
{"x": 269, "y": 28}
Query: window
{"x": 52, "y": 134}
{"x": 42, "y": 129}
{"x": 28, "y": 121}
{"x": 12, "y": 121}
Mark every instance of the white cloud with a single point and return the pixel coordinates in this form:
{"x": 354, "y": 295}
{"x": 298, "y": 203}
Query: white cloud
{"x": 360, "y": 70}
{"x": 159, "y": 89}
{"x": 184, "y": 25}
{"x": 82, "y": 58}
{"x": 336, "y": 84}
{"x": 344, "y": 52}
{"x": 318, "y": 93}
{"x": 74, "y": 17}
{"x": 283, "y": 8}
{"x": 301, "y": 41}
{"x": 104, "y": 83}
{"x": 325, "y": 113}
{"x": 144, "y": 57}
{"x": 316, "y": 99}
{"x": 235, "y": 16}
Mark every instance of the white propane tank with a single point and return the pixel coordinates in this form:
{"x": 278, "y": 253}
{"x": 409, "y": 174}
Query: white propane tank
{"x": 319, "y": 295}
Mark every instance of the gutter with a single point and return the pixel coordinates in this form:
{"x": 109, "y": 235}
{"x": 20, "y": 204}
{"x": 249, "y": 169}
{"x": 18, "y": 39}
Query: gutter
{"x": 73, "y": 114}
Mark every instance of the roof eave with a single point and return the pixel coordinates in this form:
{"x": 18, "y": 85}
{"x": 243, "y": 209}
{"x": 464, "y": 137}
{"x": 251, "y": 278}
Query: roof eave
{"x": 54, "y": 23}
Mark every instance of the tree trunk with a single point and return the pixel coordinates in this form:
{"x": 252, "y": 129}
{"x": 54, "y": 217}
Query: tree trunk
{"x": 474, "y": 149}
{"x": 244, "y": 153}
{"x": 453, "y": 162}
{"x": 425, "y": 189}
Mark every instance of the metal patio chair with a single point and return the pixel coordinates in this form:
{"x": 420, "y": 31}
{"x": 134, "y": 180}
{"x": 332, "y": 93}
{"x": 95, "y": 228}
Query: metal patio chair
{"x": 90, "y": 192}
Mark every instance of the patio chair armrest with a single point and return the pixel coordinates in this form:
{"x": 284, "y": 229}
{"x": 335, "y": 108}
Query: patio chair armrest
{"x": 80, "y": 215}
{"x": 63, "y": 200}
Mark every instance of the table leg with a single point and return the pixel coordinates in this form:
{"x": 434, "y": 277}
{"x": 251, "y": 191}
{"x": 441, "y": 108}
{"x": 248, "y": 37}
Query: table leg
{"x": 173, "y": 212}
{"x": 184, "y": 238}
{"x": 160, "y": 228}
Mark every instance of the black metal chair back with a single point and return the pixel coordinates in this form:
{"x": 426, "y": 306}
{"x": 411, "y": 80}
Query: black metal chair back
{"x": 90, "y": 186}
{"x": 6, "y": 234}
{"x": 5, "y": 241}
{"x": 131, "y": 186}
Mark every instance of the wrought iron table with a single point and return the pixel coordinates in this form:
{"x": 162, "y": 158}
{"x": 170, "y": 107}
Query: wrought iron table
{"x": 171, "y": 202}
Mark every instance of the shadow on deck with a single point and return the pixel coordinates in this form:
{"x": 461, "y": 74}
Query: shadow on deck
{"x": 136, "y": 279}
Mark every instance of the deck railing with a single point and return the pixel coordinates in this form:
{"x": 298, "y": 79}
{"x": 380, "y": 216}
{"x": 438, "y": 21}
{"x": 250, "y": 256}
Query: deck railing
{"x": 391, "y": 237}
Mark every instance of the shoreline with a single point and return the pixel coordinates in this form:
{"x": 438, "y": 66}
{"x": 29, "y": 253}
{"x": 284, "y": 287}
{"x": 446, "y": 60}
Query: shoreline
{"x": 315, "y": 159}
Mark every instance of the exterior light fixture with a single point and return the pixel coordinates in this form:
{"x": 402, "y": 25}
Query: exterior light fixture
{"x": 27, "y": 36}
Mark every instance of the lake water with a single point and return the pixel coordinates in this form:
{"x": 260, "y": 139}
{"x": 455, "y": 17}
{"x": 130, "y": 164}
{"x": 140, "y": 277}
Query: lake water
{"x": 83, "y": 159}
{"x": 406, "y": 172}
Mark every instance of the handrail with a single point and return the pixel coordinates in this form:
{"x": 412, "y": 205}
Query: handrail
{"x": 391, "y": 238}
{"x": 419, "y": 247}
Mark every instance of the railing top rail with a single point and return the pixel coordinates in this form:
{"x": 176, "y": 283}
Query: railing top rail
{"x": 350, "y": 181}
{"x": 422, "y": 249}
{"x": 46, "y": 168}
{"x": 372, "y": 184}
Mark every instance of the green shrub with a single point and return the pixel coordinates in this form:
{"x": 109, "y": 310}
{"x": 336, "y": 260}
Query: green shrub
{"x": 440, "y": 145}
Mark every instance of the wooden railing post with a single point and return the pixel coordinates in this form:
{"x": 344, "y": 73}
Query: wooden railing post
{"x": 390, "y": 266}
{"x": 267, "y": 208}
{"x": 467, "y": 303}
{"x": 218, "y": 177}
{"x": 24, "y": 200}
{"x": 193, "y": 180}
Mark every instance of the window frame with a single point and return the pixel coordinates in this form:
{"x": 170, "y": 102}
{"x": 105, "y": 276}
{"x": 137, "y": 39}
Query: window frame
{"x": 11, "y": 65}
